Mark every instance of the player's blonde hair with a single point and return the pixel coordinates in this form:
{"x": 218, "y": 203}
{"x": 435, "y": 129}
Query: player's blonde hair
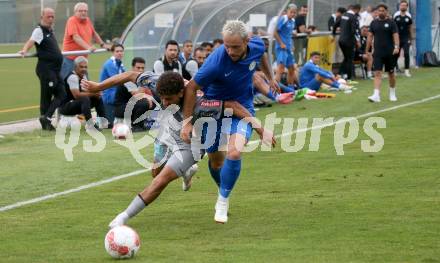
{"x": 292, "y": 6}
{"x": 235, "y": 27}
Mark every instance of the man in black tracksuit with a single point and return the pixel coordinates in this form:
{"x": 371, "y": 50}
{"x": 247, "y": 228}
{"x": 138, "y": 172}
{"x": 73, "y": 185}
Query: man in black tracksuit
{"x": 48, "y": 67}
{"x": 404, "y": 21}
{"x": 349, "y": 38}
{"x": 335, "y": 17}
{"x": 383, "y": 31}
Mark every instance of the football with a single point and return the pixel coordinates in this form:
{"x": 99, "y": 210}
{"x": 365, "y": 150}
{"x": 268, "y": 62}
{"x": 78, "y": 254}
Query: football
{"x": 120, "y": 131}
{"x": 122, "y": 242}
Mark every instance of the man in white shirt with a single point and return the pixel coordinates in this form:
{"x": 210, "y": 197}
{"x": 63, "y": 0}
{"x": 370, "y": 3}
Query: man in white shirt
{"x": 193, "y": 65}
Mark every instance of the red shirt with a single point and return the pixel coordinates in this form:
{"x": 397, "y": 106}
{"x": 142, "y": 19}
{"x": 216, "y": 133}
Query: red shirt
{"x": 83, "y": 28}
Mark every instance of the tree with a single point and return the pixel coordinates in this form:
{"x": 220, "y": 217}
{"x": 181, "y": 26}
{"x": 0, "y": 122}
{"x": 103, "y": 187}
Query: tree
{"x": 117, "y": 17}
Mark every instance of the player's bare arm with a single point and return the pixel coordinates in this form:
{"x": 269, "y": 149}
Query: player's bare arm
{"x": 189, "y": 101}
{"x": 266, "y": 68}
{"x": 119, "y": 79}
{"x": 278, "y": 39}
{"x": 396, "y": 43}
{"x": 28, "y": 45}
{"x": 369, "y": 42}
{"x": 242, "y": 113}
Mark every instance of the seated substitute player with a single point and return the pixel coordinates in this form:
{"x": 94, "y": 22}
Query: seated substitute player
{"x": 126, "y": 91}
{"x": 312, "y": 76}
{"x": 361, "y": 53}
{"x": 191, "y": 67}
{"x": 261, "y": 86}
{"x": 170, "y": 60}
{"x": 79, "y": 101}
{"x": 173, "y": 155}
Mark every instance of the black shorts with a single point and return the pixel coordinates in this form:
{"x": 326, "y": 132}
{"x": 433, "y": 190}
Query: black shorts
{"x": 388, "y": 61}
{"x": 359, "y": 56}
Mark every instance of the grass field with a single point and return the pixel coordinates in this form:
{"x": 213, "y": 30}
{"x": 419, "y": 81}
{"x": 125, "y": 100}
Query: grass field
{"x": 287, "y": 207}
{"x": 20, "y": 86}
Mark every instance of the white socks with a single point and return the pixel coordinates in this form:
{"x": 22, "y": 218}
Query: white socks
{"x": 392, "y": 91}
{"x": 376, "y": 92}
{"x": 222, "y": 199}
{"x": 393, "y": 94}
{"x": 136, "y": 206}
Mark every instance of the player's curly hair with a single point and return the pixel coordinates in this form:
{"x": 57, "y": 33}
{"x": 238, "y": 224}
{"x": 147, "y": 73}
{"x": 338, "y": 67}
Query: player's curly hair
{"x": 170, "y": 83}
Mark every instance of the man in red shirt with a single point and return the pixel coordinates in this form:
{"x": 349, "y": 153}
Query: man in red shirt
{"x": 78, "y": 36}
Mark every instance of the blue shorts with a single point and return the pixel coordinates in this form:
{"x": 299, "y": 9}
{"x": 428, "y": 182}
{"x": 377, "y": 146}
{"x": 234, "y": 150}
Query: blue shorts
{"x": 219, "y": 136}
{"x": 313, "y": 84}
{"x": 285, "y": 57}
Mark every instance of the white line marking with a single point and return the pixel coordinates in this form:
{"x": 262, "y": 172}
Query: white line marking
{"x": 120, "y": 177}
{"x": 74, "y": 190}
{"x": 358, "y": 117}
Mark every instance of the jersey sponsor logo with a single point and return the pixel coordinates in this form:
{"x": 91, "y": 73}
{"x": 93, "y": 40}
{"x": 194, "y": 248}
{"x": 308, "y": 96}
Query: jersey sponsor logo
{"x": 345, "y": 18}
{"x": 252, "y": 65}
{"x": 210, "y": 103}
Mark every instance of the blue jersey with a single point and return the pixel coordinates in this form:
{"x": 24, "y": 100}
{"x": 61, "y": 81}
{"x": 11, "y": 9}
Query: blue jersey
{"x": 308, "y": 72}
{"x": 224, "y": 79}
{"x": 285, "y": 27}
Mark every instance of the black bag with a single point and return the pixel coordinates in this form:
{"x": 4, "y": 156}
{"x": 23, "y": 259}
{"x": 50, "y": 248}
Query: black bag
{"x": 430, "y": 59}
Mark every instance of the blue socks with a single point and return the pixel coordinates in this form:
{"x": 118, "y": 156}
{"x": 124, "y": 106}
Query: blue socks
{"x": 226, "y": 177}
{"x": 271, "y": 96}
{"x": 286, "y": 89}
{"x": 215, "y": 174}
{"x": 229, "y": 175}
{"x": 335, "y": 84}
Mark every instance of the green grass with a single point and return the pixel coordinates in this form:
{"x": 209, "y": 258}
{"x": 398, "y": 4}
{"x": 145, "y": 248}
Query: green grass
{"x": 21, "y": 87}
{"x": 287, "y": 207}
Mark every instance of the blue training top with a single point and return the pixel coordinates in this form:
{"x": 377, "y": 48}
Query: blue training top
{"x": 309, "y": 71}
{"x": 110, "y": 68}
{"x": 224, "y": 79}
{"x": 285, "y": 27}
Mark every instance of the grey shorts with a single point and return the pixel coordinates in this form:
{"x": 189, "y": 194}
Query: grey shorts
{"x": 179, "y": 160}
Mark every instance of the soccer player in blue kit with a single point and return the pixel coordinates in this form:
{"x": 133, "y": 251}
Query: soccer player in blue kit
{"x": 227, "y": 75}
{"x": 283, "y": 35}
